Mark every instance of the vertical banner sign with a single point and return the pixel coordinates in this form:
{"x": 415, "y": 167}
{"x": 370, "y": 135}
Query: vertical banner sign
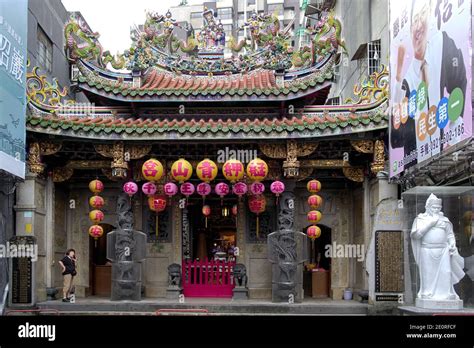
{"x": 430, "y": 79}
{"x": 13, "y": 40}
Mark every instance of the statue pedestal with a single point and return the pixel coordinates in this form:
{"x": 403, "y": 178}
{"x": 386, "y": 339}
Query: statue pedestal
{"x": 173, "y": 292}
{"x": 240, "y": 293}
{"x": 439, "y": 304}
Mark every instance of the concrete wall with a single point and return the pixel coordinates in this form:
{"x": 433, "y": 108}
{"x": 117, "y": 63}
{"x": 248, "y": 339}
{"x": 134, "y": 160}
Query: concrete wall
{"x": 374, "y": 15}
{"x": 51, "y": 16}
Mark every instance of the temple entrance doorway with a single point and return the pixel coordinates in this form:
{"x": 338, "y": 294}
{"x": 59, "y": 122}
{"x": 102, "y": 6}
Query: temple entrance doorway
{"x": 213, "y": 230}
{"x": 100, "y": 269}
{"x": 317, "y": 277}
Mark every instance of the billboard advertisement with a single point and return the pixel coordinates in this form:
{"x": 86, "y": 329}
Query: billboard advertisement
{"x": 13, "y": 41}
{"x": 430, "y": 79}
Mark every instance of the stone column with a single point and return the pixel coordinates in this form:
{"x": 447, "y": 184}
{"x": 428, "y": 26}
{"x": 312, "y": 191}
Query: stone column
{"x": 32, "y": 220}
{"x": 287, "y": 250}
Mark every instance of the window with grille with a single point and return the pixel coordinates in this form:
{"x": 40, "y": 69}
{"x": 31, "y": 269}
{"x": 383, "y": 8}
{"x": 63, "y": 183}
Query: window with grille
{"x": 373, "y": 56}
{"x": 45, "y": 51}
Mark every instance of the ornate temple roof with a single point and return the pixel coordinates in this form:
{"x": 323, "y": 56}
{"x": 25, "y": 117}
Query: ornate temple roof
{"x": 268, "y": 71}
{"x": 164, "y": 68}
{"x": 312, "y": 125}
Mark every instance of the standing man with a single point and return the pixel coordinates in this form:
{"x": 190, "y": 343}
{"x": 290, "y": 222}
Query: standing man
{"x": 68, "y": 264}
{"x": 435, "y": 71}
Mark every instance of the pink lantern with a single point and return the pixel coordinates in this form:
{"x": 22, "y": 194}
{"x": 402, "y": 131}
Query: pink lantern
{"x": 222, "y": 189}
{"x": 170, "y": 189}
{"x": 257, "y": 188}
{"x": 149, "y": 188}
{"x": 187, "y": 189}
{"x": 203, "y": 189}
{"x": 239, "y": 189}
{"x": 130, "y": 188}
{"x": 277, "y": 187}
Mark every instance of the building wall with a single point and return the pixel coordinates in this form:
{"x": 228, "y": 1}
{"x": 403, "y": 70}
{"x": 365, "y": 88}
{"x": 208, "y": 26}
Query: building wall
{"x": 51, "y": 16}
{"x": 374, "y": 15}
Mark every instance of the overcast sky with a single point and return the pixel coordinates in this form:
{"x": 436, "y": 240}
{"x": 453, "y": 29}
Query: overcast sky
{"x": 113, "y": 18}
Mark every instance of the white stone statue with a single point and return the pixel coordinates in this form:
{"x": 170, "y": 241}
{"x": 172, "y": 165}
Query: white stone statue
{"x": 439, "y": 263}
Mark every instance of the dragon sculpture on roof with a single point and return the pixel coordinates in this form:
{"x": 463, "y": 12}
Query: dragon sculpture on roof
{"x": 156, "y": 45}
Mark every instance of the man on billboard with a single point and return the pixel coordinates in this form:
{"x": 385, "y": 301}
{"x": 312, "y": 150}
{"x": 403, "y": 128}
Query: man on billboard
{"x": 421, "y": 124}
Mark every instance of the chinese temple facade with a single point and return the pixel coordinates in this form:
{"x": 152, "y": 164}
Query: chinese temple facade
{"x": 169, "y": 99}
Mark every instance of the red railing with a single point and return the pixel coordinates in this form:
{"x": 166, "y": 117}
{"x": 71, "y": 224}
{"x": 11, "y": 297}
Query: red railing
{"x": 208, "y": 278}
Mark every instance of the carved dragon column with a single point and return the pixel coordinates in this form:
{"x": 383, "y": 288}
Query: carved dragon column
{"x": 287, "y": 248}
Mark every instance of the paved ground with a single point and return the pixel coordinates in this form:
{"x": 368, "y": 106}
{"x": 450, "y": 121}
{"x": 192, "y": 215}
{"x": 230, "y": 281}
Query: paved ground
{"x": 196, "y": 306}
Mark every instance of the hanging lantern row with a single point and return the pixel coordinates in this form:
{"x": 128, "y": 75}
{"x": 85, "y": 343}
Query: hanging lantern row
{"x": 96, "y": 215}
{"x": 314, "y": 216}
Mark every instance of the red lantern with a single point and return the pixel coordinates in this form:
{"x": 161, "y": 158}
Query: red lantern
{"x": 257, "y": 169}
{"x": 314, "y": 216}
{"x": 315, "y": 201}
{"x": 257, "y": 206}
{"x": 233, "y": 170}
{"x": 152, "y": 170}
{"x": 206, "y": 211}
{"x": 96, "y": 186}
{"x": 313, "y": 232}
{"x": 235, "y": 210}
{"x": 96, "y": 216}
{"x": 157, "y": 203}
{"x": 96, "y": 202}
{"x": 313, "y": 186}
{"x": 96, "y": 231}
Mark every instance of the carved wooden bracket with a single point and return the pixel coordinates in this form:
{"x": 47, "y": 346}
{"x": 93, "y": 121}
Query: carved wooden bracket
{"x": 38, "y": 149}
{"x": 379, "y": 157}
{"x": 61, "y": 174}
{"x": 34, "y": 159}
{"x": 121, "y": 154}
{"x": 363, "y": 146}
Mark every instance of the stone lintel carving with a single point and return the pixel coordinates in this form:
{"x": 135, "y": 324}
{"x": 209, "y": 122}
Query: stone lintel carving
{"x": 34, "y": 158}
{"x": 379, "y": 157}
{"x": 363, "y": 146}
{"x": 61, "y": 174}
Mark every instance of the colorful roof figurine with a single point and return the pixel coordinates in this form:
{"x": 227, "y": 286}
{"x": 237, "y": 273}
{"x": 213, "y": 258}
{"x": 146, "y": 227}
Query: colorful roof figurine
{"x": 163, "y": 67}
